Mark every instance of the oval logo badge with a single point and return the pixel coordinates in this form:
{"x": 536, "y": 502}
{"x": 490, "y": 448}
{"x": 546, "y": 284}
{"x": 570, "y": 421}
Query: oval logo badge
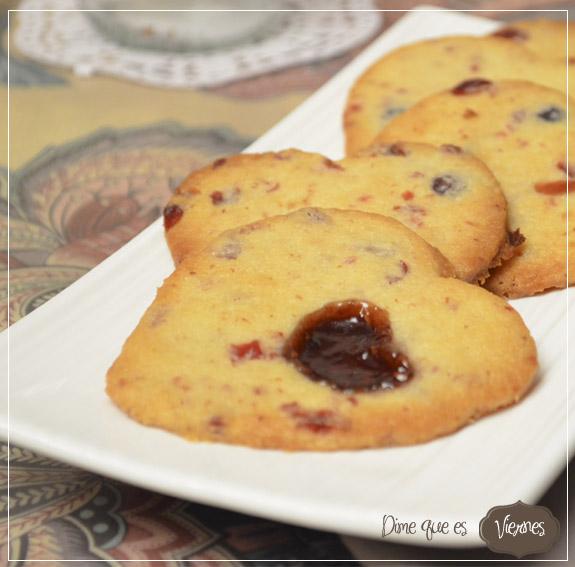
{"x": 519, "y": 529}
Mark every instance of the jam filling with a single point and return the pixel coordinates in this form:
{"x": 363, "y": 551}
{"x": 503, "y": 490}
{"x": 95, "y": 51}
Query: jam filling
{"x": 348, "y": 345}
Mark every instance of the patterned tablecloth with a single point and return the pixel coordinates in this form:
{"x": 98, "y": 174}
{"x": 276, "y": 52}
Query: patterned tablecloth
{"x": 93, "y": 158}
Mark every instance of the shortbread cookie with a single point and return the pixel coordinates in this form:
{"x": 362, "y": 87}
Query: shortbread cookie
{"x": 408, "y": 74}
{"x": 467, "y": 223}
{"x": 545, "y": 38}
{"x": 519, "y": 130}
{"x": 320, "y": 330}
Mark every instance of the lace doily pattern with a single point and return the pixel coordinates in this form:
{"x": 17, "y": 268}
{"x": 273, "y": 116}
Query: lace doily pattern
{"x": 72, "y": 40}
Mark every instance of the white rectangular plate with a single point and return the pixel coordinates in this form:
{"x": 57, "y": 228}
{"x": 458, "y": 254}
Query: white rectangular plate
{"x": 59, "y": 355}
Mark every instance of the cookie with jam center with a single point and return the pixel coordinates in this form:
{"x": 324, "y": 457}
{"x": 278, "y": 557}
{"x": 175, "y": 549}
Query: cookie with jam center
{"x": 403, "y": 77}
{"x": 545, "y": 38}
{"x": 321, "y": 330}
{"x": 519, "y": 130}
{"x": 467, "y": 223}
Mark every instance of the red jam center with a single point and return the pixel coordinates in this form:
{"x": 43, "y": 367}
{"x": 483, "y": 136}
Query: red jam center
{"x": 348, "y": 345}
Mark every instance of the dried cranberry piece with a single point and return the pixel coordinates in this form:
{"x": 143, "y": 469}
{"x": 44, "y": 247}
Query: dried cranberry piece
{"x": 403, "y": 270}
{"x": 471, "y": 86}
{"x": 228, "y": 196}
{"x": 217, "y": 424}
{"x": 567, "y": 169}
{"x": 551, "y": 114}
{"x": 447, "y": 184}
{"x": 172, "y": 215}
{"x": 396, "y": 150}
{"x": 217, "y": 197}
{"x": 246, "y": 351}
{"x": 554, "y": 187}
{"x": 511, "y": 33}
{"x": 332, "y": 164}
{"x": 451, "y": 149}
{"x": 317, "y": 421}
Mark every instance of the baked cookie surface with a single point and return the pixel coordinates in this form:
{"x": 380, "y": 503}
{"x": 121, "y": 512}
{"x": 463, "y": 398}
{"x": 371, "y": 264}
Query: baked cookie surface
{"x": 406, "y": 75}
{"x": 519, "y": 130}
{"x": 467, "y": 225}
{"x": 321, "y": 330}
{"x": 545, "y": 38}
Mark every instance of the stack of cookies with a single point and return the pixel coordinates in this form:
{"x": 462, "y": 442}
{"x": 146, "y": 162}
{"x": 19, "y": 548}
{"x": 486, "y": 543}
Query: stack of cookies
{"x": 324, "y": 305}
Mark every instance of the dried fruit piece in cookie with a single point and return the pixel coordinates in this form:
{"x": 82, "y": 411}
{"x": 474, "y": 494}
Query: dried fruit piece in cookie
{"x": 288, "y": 344}
{"x": 447, "y": 196}
{"x": 406, "y": 75}
{"x": 545, "y": 38}
{"x": 519, "y": 131}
